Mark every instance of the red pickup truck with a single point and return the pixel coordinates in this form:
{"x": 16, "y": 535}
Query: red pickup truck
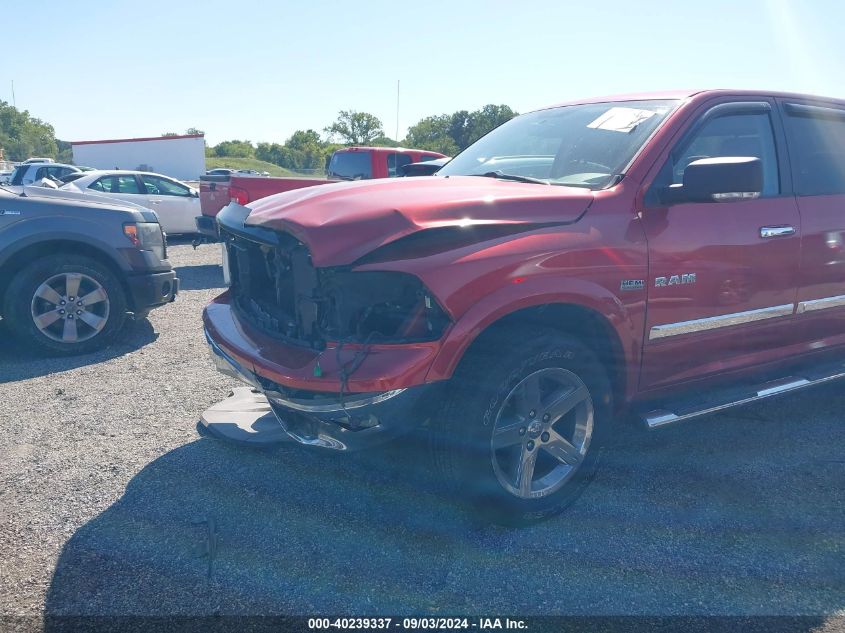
{"x": 349, "y": 163}
{"x": 655, "y": 257}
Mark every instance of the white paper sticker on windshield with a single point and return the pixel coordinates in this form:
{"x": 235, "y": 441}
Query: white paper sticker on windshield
{"x": 621, "y": 119}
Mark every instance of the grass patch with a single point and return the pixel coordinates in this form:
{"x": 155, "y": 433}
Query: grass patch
{"x": 250, "y": 163}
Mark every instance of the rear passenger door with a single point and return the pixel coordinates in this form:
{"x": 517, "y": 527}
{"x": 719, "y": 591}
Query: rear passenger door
{"x": 176, "y": 206}
{"x": 816, "y": 137}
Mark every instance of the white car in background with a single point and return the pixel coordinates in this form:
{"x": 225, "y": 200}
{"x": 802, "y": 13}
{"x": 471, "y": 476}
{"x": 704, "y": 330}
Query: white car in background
{"x": 176, "y": 204}
{"x": 28, "y": 173}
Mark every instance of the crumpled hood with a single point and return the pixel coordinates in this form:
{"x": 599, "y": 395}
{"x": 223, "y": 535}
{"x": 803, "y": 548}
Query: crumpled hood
{"x": 341, "y": 222}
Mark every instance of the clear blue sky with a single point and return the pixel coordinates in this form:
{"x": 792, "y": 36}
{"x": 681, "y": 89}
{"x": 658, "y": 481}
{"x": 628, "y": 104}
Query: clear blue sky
{"x": 260, "y": 70}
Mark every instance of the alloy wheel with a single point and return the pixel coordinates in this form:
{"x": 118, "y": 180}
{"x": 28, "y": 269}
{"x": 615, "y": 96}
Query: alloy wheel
{"x": 70, "y": 308}
{"x": 542, "y": 433}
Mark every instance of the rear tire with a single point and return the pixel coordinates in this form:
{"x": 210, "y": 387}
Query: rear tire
{"x": 523, "y": 398}
{"x": 65, "y": 304}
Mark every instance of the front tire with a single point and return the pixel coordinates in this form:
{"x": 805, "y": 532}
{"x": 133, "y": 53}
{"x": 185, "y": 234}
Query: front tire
{"x": 65, "y": 304}
{"x": 524, "y": 423}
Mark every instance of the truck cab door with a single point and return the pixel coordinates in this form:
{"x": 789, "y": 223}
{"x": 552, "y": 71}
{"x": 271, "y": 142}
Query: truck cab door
{"x": 723, "y": 274}
{"x": 816, "y": 136}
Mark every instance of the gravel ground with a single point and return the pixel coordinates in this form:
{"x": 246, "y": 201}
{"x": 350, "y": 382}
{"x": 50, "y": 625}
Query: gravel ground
{"x": 111, "y": 504}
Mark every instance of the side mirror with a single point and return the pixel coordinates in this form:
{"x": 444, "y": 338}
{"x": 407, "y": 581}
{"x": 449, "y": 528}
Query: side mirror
{"x": 722, "y": 179}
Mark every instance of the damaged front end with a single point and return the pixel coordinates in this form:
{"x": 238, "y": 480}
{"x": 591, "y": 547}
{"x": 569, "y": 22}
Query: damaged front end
{"x": 277, "y": 289}
{"x": 333, "y": 315}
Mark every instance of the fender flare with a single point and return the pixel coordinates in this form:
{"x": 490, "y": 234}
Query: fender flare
{"x": 530, "y": 294}
{"x": 31, "y": 232}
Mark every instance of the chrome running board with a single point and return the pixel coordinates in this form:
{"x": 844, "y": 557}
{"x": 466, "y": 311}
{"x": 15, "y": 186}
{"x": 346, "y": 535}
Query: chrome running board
{"x": 680, "y": 410}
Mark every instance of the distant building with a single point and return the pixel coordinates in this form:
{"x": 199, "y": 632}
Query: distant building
{"x": 181, "y": 157}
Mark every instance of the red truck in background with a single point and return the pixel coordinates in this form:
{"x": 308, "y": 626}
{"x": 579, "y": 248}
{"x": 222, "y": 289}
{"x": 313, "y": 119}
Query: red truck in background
{"x": 350, "y": 163}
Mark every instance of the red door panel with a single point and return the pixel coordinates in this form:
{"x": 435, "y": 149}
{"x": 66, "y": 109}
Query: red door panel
{"x": 736, "y": 271}
{"x": 816, "y": 135}
{"x": 821, "y": 295}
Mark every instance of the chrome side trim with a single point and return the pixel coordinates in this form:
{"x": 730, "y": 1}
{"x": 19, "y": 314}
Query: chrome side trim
{"x": 821, "y": 304}
{"x": 727, "y": 320}
{"x": 662, "y": 417}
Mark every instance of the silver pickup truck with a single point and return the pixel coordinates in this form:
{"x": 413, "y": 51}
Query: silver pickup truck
{"x": 72, "y": 270}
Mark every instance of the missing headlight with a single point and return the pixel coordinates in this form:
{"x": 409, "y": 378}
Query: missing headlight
{"x": 379, "y": 306}
{"x": 277, "y": 289}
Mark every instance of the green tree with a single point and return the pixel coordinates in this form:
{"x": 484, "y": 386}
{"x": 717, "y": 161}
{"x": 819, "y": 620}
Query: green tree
{"x": 304, "y": 140}
{"x": 269, "y": 152}
{"x": 23, "y": 136}
{"x": 460, "y": 125}
{"x": 355, "y": 128}
{"x": 235, "y": 149}
{"x": 169, "y": 134}
{"x": 193, "y": 130}
{"x": 384, "y": 141}
{"x": 486, "y": 119}
{"x": 307, "y": 150}
{"x": 65, "y": 152}
{"x": 451, "y": 133}
{"x": 433, "y": 133}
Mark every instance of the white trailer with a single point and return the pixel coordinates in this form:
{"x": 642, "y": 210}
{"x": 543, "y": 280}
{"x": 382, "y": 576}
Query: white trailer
{"x": 181, "y": 157}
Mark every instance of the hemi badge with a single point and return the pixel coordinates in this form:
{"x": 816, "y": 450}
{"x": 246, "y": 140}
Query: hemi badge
{"x": 632, "y": 284}
{"x": 6, "y": 212}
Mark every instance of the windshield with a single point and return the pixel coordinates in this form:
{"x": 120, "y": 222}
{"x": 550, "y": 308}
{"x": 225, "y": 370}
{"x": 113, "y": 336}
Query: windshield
{"x": 578, "y": 146}
{"x": 350, "y": 166}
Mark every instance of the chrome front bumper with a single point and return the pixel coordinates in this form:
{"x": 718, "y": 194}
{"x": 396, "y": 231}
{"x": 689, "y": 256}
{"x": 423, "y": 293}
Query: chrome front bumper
{"x": 325, "y": 420}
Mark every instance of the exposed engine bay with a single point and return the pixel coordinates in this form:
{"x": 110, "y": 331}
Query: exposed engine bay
{"x": 276, "y": 288}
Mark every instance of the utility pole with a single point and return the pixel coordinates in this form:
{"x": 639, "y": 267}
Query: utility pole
{"x": 14, "y": 103}
{"x": 396, "y": 138}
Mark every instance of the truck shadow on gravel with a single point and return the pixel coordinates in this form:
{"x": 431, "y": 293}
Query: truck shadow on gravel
{"x": 738, "y": 514}
{"x": 20, "y": 363}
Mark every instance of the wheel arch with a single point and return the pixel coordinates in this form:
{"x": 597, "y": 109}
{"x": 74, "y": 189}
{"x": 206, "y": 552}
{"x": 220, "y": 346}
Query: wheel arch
{"x": 31, "y": 252}
{"x": 605, "y": 334}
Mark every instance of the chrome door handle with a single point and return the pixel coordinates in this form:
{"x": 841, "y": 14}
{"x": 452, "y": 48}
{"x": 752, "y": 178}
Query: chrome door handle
{"x": 776, "y": 231}
{"x": 155, "y": 201}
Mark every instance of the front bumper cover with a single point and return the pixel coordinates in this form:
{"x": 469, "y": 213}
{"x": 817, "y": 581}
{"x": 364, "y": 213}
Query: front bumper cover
{"x": 152, "y": 290}
{"x": 268, "y": 413}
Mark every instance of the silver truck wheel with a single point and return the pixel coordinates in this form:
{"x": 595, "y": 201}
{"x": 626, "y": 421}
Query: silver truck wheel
{"x": 70, "y": 308}
{"x": 542, "y": 433}
{"x": 523, "y": 425}
{"x": 64, "y": 304}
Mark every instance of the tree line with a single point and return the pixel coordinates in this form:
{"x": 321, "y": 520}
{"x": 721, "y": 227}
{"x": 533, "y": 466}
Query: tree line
{"x": 23, "y": 136}
{"x": 309, "y": 150}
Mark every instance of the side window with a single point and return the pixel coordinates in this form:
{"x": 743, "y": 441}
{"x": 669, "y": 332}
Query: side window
{"x": 42, "y": 172}
{"x": 156, "y": 186}
{"x": 730, "y": 135}
{"x": 115, "y": 184}
{"x": 395, "y": 162}
{"x": 102, "y": 184}
{"x": 57, "y": 172}
{"x": 816, "y": 139}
